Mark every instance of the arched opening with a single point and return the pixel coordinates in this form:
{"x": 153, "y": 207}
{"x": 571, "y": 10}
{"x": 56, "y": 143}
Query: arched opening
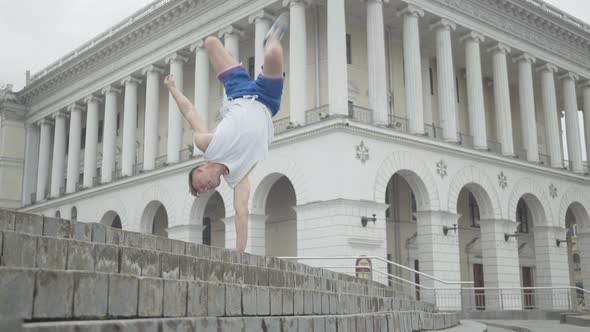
{"x": 575, "y": 217}
{"x": 74, "y": 213}
{"x": 214, "y": 228}
{"x": 281, "y": 219}
{"x": 111, "y": 219}
{"x": 525, "y": 220}
{"x": 154, "y": 219}
{"x": 57, "y": 214}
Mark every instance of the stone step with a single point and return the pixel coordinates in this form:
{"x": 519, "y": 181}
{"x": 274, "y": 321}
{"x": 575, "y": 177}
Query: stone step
{"x": 43, "y": 294}
{"x": 402, "y": 321}
{"x": 35, "y": 251}
{"x": 98, "y": 233}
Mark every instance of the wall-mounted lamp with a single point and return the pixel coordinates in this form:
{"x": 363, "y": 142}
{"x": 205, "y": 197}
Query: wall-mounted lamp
{"x": 558, "y": 241}
{"x": 447, "y": 229}
{"x": 507, "y": 236}
{"x": 365, "y": 220}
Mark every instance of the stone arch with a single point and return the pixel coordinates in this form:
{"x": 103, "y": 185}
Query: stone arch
{"x": 284, "y": 167}
{"x": 109, "y": 217}
{"x": 148, "y": 215}
{"x": 415, "y": 173}
{"x": 155, "y": 193}
{"x": 580, "y": 205}
{"x": 484, "y": 192}
{"x": 536, "y": 199}
{"x": 115, "y": 205}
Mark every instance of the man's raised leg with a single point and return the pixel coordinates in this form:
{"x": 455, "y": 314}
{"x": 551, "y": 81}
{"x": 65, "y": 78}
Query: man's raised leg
{"x": 219, "y": 57}
{"x": 273, "y": 59}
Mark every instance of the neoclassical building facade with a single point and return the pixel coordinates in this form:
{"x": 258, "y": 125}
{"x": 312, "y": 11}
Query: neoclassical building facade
{"x": 439, "y": 117}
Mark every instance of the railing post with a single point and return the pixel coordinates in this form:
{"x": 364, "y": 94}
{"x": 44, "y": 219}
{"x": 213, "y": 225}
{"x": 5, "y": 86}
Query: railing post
{"x": 501, "y": 300}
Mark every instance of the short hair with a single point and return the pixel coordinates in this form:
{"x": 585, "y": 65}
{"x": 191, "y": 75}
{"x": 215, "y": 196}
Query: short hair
{"x": 192, "y": 189}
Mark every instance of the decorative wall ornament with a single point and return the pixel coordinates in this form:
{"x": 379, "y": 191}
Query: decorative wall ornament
{"x": 441, "y": 168}
{"x": 552, "y": 191}
{"x": 502, "y": 180}
{"x": 362, "y": 152}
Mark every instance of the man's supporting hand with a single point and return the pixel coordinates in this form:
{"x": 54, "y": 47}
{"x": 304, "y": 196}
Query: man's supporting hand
{"x": 241, "y": 197}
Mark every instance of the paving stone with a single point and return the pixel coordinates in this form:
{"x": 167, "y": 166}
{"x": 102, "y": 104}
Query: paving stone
{"x": 133, "y": 239}
{"x": 207, "y": 324}
{"x": 331, "y": 324}
{"x": 114, "y": 236}
{"x": 318, "y": 324}
{"x": 252, "y": 324}
{"x": 177, "y": 247}
{"x": 54, "y": 293}
{"x": 325, "y": 307}
{"x": 276, "y": 301}
{"x": 229, "y": 273}
{"x": 179, "y": 325}
{"x": 162, "y": 244}
{"x": 11, "y": 324}
{"x": 149, "y": 242}
{"x": 170, "y": 265}
{"x": 123, "y": 293}
{"x": 99, "y": 233}
{"x": 56, "y": 227}
{"x": 262, "y": 276}
{"x": 262, "y": 301}
{"x": 132, "y": 260}
{"x": 231, "y": 324}
{"x": 215, "y": 299}
{"x": 317, "y": 303}
{"x": 90, "y": 294}
{"x": 7, "y": 220}
{"x": 250, "y": 274}
{"x": 288, "y": 298}
{"x": 201, "y": 269}
{"x": 81, "y": 231}
{"x": 197, "y": 299}
{"x": 298, "y": 302}
{"x": 380, "y": 323}
{"x": 346, "y": 324}
{"x": 175, "y": 297}
{"x": 16, "y": 287}
{"x": 187, "y": 267}
{"x": 51, "y": 253}
{"x": 233, "y": 300}
{"x": 80, "y": 256}
{"x": 106, "y": 258}
{"x": 289, "y": 324}
{"x": 215, "y": 271}
{"x": 273, "y": 262}
{"x": 333, "y": 298}
{"x": 151, "y": 263}
{"x": 307, "y": 302}
{"x": 28, "y": 223}
{"x": 151, "y": 297}
{"x": 18, "y": 250}
{"x": 249, "y": 304}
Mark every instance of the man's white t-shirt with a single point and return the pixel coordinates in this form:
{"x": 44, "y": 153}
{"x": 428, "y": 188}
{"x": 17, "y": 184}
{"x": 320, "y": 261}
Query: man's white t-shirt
{"x": 241, "y": 139}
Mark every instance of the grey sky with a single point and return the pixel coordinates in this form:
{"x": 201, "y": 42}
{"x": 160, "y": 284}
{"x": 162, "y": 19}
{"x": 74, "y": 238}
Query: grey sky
{"x": 38, "y": 32}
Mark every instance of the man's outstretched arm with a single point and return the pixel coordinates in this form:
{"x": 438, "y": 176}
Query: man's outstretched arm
{"x": 202, "y": 136}
{"x": 241, "y": 197}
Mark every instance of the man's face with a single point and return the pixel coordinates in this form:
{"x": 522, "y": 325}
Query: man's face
{"x": 204, "y": 180}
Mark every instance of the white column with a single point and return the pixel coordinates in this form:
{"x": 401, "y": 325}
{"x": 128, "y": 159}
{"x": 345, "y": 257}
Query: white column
{"x": 574, "y": 145}
{"x": 201, "y": 83}
{"x": 152, "y": 116}
{"x": 109, "y": 133}
{"x": 297, "y": 61}
{"x": 552, "y": 138}
{"x": 500, "y": 263}
{"x": 446, "y": 79}
{"x": 586, "y": 95}
{"x": 475, "y": 99}
{"x": 377, "y": 74}
{"x": 231, "y": 40}
{"x": 43, "y": 168}
{"x": 439, "y": 256}
{"x": 59, "y": 154}
{"x": 337, "y": 66}
{"x": 527, "y": 106}
{"x": 74, "y": 147}
{"x": 262, "y": 21}
{"x": 91, "y": 144}
{"x": 192, "y": 233}
{"x": 412, "y": 68}
{"x": 426, "y": 95}
{"x": 502, "y": 98}
{"x": 129, "y": 125}
{"x": 175, "y": 118}
{"x": 551, "y": 267}
{"x": 31, "y": 163}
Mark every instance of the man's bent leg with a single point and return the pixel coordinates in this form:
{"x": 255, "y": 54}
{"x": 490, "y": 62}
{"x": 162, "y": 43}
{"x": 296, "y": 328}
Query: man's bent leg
{"x": 219, "y": 57}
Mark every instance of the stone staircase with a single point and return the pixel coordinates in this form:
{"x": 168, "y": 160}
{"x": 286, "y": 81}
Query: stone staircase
{"x": 59, "y": 275}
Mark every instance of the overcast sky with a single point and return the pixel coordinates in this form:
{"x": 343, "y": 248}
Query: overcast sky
{"x": 38, "y": 32}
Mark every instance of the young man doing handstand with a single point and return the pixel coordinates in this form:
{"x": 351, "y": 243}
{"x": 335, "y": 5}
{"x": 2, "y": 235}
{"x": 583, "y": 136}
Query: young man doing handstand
{"x": 244, "y": 134}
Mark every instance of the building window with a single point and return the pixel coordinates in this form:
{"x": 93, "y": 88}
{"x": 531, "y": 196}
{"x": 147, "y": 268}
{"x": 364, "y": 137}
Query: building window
{"x": 100, "y": 129}
{"x": 350, "y": 109}
{"x": 348, "y": 50}
{"x": 576, "y": 261}
{"x": 57, "y": 214}
{"x": 522, "y": 217}
{"x": 414, "y": 208}
{"x": 118, "y": 122}
{"x": 431, "y": 81}
{"x": 83, "y": 139}
{"x": 251, "y": 66}
{"x": 457, "y": 89}
{"x": 74, "y": 213}
{"x": 474, "y": 211}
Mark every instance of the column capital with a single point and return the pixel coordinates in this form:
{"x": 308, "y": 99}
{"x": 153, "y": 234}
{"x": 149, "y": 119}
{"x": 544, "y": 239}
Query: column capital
{"x": 176, "y": 57}
{"x": 569, "y": 76}
{"x": 110, "y": 89}
{"x": 59, "y": 114}
{"x": 264, "y": 15}
{"x": 130, "y": 80}
{"x": 474, "y": 36}
{"x": 527, "y": 57}
{"x": 443, "y": 24}
{"x": 45, "y": 121}
{"x": 230, "y": 30}
{"x": 152, "y": 68}
{"x": 585, "y": 84}
{"x": 93, "y": 99}
{"x": 549, "y": 67}
{"x": 410, "y": 10}
{"x": 500, "y": 48}
{"x": 197, "y": 46}
{"x": 75, "y": 107}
